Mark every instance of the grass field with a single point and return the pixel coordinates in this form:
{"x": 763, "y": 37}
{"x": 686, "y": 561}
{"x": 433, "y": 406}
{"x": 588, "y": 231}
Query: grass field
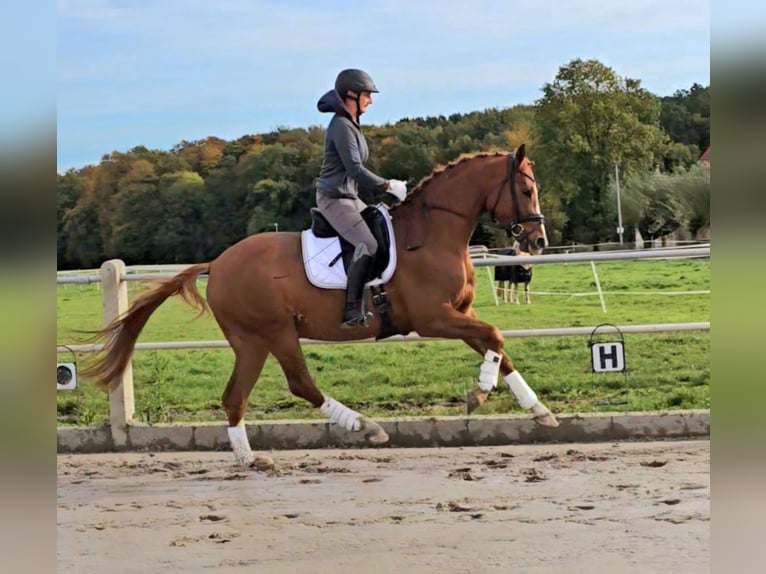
{"x": 665, "y": 371}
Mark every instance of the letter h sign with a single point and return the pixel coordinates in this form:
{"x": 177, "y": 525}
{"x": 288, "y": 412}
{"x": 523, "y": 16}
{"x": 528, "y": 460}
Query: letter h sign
{"x": 608, "y": 357}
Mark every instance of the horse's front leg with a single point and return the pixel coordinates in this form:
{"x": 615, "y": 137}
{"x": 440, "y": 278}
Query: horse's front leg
{"x": 525, "y": 396}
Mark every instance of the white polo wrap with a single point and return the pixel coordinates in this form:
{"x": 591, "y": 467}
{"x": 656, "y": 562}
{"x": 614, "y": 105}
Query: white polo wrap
{"x": 520, "y": 389}
{"x": 489, "y": 371}
{"x": 341, "y": 414}
{"x": 239, "y": 443}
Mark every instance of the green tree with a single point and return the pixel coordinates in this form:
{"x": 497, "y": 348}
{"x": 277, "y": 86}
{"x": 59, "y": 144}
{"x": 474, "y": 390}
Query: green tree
{"x": 686, "y": 117}
{"x": 268, "y": 203}
{"x": 588, "y": 119}
{"x": 83, "y": 247}
{"x": 137, "y": 214}
{"x": 659, "y": 203}
{"x": 180, "y": 238}
{"x": 68, "y": 192}
{"x": 694, "y": 186}
{"x": 406, "y": 154}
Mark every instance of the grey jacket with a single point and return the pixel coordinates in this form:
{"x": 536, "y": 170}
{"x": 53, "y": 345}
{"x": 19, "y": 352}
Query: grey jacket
{"x": 345, "y": 151}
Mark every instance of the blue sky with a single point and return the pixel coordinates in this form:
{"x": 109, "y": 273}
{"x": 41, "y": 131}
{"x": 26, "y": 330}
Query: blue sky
{"x": 154, "y": 73}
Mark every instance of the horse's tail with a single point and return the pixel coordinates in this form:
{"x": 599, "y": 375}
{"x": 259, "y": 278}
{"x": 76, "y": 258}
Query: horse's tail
{"x": 122, "y": 333}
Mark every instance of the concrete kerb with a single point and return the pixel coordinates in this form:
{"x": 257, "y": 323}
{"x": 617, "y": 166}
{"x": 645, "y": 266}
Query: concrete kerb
{"x": 403, "y": 432}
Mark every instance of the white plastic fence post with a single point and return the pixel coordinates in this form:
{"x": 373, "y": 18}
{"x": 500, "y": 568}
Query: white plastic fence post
{"x": 492, "y": 284}
{"x": 115, "y": 301}
{"x": 598, "y": 286}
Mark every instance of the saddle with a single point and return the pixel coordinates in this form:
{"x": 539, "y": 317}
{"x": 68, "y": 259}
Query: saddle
{"x": 379, "y": 227}
{"x": 327, "y": 258}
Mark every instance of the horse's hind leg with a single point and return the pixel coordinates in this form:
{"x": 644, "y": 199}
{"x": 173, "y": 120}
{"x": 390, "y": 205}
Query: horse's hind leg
{"x": 287, "y": 350}
{"x": 251, "y": 354}
{"x": 526, "y": 294}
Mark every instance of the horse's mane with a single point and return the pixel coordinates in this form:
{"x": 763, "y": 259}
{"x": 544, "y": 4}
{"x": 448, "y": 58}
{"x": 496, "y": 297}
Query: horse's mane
{"x": 440, "y": 169}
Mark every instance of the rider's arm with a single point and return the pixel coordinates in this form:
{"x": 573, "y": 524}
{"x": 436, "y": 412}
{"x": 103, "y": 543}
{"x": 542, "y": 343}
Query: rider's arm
{"x": 347, "y": 147}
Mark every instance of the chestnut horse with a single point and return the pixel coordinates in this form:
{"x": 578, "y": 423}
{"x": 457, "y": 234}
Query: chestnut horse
{"x": 261, "y": 298}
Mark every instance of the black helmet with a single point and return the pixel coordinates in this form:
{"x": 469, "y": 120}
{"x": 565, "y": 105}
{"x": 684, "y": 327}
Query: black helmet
{"x": 356, "y": 80}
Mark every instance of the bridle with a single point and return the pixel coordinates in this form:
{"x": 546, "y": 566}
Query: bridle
{"x": 515, "y": 228}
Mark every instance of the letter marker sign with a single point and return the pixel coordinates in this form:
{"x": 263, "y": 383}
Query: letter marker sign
{"x": 608, "y": 357}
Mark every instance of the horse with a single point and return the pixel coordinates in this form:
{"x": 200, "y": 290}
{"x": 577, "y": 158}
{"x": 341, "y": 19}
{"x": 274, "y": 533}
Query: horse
{"x": 509, "y": 277}
{"x": 521, "y": 275}
{"x": 264, "y": 304}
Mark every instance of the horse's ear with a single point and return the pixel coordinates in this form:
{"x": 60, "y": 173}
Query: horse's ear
{"x": 521, "y": 153}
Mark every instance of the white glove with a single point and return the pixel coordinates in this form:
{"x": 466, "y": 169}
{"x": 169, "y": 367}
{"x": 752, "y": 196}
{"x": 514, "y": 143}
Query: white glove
{"x": 397, "y": 188}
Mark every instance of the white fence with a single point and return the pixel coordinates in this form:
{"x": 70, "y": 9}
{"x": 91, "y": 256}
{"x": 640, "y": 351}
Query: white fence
{"x": 114, "y": 276}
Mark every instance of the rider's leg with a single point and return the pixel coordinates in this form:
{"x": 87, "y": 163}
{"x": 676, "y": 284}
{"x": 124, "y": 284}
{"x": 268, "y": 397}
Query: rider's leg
{"x": 344, "y": 214}
{"x": 358, "y": 275}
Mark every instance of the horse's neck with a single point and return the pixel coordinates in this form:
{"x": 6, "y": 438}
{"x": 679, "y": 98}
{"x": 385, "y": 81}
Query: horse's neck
{"x": 444, "y": 227}
{"x": 454, "y": 201}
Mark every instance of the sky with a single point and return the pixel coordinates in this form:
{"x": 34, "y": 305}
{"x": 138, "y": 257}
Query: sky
{"x": 154, "y": 73}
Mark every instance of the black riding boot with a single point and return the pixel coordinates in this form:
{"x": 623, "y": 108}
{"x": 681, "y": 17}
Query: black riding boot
{"x": 357, "y": 277}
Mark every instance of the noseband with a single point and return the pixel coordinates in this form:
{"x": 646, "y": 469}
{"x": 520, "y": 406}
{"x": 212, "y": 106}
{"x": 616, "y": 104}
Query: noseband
{"x": 515, "y": 228}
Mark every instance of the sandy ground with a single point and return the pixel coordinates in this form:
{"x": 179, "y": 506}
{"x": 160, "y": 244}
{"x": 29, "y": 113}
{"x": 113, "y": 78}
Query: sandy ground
{"x": 616, "y": 508}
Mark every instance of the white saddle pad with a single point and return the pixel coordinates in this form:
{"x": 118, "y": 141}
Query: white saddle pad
{"x": 319, "y": 252}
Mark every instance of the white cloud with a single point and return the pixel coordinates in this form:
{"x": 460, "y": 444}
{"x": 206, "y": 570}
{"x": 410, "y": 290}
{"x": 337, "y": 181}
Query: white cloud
{"x": 96, "y": 11}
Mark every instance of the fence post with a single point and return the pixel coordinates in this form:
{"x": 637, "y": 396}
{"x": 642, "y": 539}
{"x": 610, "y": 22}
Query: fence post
{"x": 115, "y": 301}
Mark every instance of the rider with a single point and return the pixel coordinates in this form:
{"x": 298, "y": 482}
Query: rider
{"x": 343, "y": 173}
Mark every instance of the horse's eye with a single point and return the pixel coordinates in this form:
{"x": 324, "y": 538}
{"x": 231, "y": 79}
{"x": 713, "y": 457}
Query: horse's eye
{"x": 528, "y": 192}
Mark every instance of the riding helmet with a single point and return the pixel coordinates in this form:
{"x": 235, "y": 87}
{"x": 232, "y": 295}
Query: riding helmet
{"x": 356, "y": 80}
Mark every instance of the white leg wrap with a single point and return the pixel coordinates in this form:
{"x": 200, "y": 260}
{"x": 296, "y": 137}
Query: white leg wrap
{"x": 489, "y": 371}
{"x": 341, "y": 414}
{"x": 239, "y": 443}
{"x": 520, "y": 389}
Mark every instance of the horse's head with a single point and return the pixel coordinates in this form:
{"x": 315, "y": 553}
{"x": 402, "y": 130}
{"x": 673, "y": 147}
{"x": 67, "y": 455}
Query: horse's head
{"x": 517, "y": 205}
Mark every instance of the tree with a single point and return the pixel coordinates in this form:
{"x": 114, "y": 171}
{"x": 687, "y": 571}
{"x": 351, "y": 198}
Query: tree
{"x": 201, "y": 156}
{"x": 407, "y": 155}
{"x": 588, "y": 119}
{"x": 694, "y": 186}
{"x": 686, "y": 117}
{"x": 658, "y": 203}
{"x": 137, "y": 214}
{"x": 181, "y": 236}
{"x": 268, "y": 201}
{"x": 83, "y": 241}
{"x": 69, "y": 189}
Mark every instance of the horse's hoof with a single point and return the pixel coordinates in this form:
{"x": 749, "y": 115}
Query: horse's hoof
{"x": 243, "y": 456}
{"x": 474, "y": 399}
{"x": 543, "y": 416}
{"x": 373, "y": 432}
{"x": 261, "y": 462}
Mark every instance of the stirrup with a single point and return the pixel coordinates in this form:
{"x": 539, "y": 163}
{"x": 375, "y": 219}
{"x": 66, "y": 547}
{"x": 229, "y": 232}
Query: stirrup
{"x": 358, "y": 320}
